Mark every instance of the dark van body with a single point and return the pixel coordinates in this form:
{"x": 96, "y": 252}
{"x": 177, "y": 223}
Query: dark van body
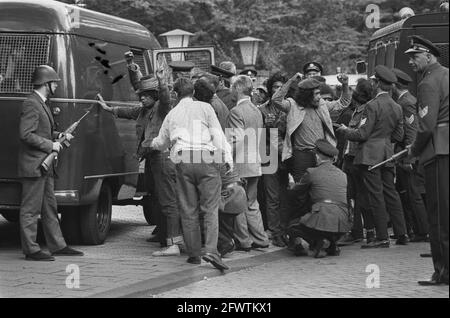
{"x": 387, "y": 45}
{"x": 87, "y": 50}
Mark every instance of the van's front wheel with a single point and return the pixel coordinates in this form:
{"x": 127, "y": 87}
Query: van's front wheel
{"x": 95, "y": 219}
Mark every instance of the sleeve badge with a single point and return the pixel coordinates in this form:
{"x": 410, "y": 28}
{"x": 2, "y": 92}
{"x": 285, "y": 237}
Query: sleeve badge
{"x": 410, "y": 120}
{"x": 363, "y": 122}
{"x": 423, "y": 111}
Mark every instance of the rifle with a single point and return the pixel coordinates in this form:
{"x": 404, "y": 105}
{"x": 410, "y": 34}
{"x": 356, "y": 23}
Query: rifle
{"x": 393, "y": 158}
{"x": 47, "y": 163}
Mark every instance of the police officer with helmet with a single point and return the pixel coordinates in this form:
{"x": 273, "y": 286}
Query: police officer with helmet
{"x": 37, "y": 134}
{"x": 431, "y": 146}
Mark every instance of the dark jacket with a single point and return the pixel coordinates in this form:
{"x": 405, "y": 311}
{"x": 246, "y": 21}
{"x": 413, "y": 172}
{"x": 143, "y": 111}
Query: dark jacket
{"x": 37, "y": 132}
{"x": 381, "y": 126}
{"x": 148, "y": 121}
{"x": 410, "y": 123}
{"x": 221, "y": 111}
{"x": 326, "y": 188}
{"x": 227, "y": 97}
{"x": 432, "y": 94}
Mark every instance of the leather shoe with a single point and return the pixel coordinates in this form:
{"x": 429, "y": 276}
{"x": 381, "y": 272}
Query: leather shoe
{"x": 426, "y": 255}
{"x": 226, "y": 248}
{"x": 256, "y": 245}
{"x": 215, "y": 261}
{"x": 434, "y": 281}
{"x": 319, "y": 252}
{"x": 278, "y": 241}
{"x": 194, "y": 260}
{"x": 67, "y": 251}
{"x": 333, "y": 251}
{"x": 244, "y": 249}
{"x": 40, "y": 257}
{"x": 402, "y": 240}
{"x": 376, "y": 244}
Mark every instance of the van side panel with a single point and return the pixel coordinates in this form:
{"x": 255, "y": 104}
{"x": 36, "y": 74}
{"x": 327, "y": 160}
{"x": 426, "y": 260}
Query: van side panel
{"x": 103, "y": 144}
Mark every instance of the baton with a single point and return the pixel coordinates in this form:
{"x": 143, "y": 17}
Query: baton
{"x": 394, "y": 157}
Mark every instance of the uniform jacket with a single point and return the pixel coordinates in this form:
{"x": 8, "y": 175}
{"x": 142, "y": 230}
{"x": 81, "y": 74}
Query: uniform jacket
{"x": 381, "y": 126}
{"x": 325, "y": 183}
{"x": 148, "y": 121}
{"x": 410, "y": 122}
{"x": 279, "y": 123}
{"x": 247, "y": 157}
{"x": 432, "y": 94}
{"x": 37, "y": 132}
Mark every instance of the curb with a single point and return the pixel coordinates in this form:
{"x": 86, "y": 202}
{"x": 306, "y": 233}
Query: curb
{"x": 149, "y": 288}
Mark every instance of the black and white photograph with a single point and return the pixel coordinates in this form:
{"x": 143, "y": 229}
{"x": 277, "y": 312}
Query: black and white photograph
{"x": 227, "y": 154}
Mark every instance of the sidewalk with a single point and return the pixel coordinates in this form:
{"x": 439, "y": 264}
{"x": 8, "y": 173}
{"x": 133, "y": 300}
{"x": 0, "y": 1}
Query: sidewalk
{"x": 125, "y": 259}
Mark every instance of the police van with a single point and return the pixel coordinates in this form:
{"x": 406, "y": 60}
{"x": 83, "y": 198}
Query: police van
{"x": 387, "y": 45}
{"x": 87, "y": 49}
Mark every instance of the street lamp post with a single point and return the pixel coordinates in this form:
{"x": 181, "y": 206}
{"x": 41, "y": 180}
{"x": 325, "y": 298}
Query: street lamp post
{"x": 177, "y": 38}
{"x": 249, "y": 51}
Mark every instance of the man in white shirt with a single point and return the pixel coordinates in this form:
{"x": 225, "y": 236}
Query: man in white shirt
{"x": 198, "y": 145}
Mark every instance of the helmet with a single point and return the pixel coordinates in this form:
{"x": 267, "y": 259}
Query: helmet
{"x": 44, "y": 74}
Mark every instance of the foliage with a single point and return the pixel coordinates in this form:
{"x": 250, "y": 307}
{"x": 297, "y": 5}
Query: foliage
{"x": 332, "y": 32}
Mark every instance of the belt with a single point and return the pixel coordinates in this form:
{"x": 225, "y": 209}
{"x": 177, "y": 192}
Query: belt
{"x": 443, "y": 125}
{"x": 340, "y": 204}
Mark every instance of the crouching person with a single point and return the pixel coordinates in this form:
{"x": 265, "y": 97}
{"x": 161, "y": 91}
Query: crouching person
{"x": 329, "y": 218}
{"x": 233, "y": 202}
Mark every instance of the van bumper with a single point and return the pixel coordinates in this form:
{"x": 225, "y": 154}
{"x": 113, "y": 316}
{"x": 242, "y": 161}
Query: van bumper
{"x": 67, "y": 197}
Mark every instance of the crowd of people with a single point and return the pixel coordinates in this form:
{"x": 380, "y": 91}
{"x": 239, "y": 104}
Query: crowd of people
{"x": 319, "y": 188}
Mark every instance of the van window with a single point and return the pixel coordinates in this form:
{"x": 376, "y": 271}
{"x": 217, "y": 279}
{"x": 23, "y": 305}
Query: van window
{"x": 19, "y": 56}
{"x": 139, "y": 60}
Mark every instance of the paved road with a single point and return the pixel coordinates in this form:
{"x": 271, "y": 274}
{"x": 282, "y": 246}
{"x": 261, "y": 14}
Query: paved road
{"x": 343, "y": 276}
{"x": 124, "y": 267}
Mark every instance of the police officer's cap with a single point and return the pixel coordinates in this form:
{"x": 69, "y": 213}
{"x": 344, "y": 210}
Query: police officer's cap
{"x": 312, "y": 66}
{"x": 249, "y": 71}
{"x": 181, "y": 66}
{"x": 309, "y": 83}
{"x": 324, "y": 147}
{"x": 221, "y": 72}
{"x": 402, "y": 77}
{"x": 419, "y": 44}
{"x": 384, "y": 74}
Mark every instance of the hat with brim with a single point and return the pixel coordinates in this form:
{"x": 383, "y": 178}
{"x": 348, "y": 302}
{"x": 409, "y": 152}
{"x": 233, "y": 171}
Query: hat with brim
{"x": 312, "y": 66}
{"x": 309, "y": 83}
{"x": 148, "y": 83}
{"x": 324, "y": 147}
{"x": 422, "y": 45}
{"x": 221, "y": 72}
{"x": 249, "y": 71}
{"x": 384, "y": 74}
{"x": 181, "y": 66}
{"x": 402, "y": 77}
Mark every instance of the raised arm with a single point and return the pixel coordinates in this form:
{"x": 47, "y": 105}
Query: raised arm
{"x": 279, "y": 98}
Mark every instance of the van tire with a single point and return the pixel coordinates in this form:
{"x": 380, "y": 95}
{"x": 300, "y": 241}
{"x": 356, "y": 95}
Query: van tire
{"x": 70, "y": 225}
{"x": 12, "y": 216}
{"x": 148, "y": 206}
{"x": 95, "y": 219}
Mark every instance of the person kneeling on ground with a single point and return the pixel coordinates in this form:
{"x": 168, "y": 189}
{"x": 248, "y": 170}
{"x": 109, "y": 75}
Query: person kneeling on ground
{"x": 329, "y": 218}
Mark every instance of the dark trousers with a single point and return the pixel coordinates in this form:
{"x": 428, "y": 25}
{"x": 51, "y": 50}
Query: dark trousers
{"x": 355, "y": 192}
{"x": 160, "y": 175}
{"x": 38, "y": 198}
{"x": 198, "y": 189}
{"x": 436, "y": 183}
{"x": 413, "y": 206}
{"x": 274, "y": 185}
{"x": 311, "y": 235}
{"x": 301, "y": 160}
{"x": 226, "y": 230}
{"x": 383, "y": 198}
